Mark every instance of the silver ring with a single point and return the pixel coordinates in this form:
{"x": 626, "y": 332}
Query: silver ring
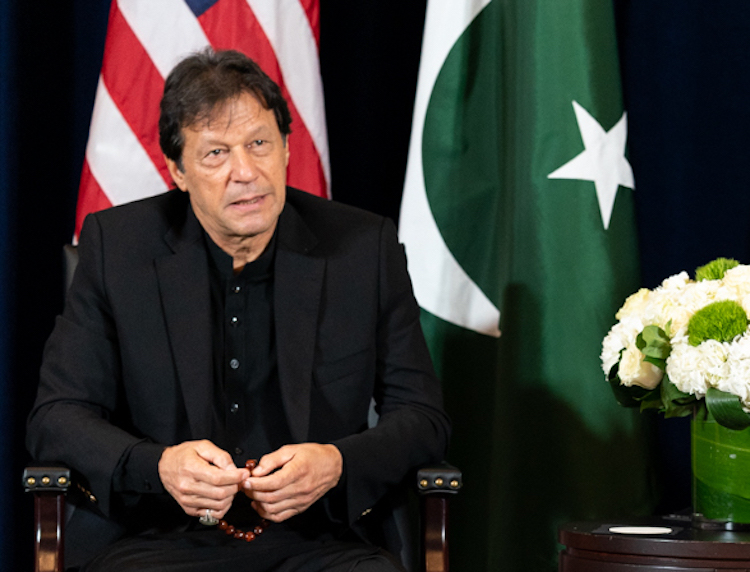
{"x": 207, "y": 519}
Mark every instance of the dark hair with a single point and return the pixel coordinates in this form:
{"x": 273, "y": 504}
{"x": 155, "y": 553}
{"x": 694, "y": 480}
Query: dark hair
{"x": 204, "y": 81}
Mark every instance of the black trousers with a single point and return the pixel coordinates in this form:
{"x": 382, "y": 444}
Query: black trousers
{"x": 212, "y": 551}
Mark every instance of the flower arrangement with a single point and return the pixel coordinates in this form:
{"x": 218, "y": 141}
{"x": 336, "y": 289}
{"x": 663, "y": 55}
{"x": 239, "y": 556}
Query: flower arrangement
{"x": 686, "y": 345}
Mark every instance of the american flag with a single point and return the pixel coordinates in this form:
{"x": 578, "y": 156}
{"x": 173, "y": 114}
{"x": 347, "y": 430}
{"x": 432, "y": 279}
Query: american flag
{"x": 146, "y": 38}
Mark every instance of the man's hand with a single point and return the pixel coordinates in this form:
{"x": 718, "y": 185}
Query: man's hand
{"x": 289, "y": 480}
{"x": 200, "y": 475}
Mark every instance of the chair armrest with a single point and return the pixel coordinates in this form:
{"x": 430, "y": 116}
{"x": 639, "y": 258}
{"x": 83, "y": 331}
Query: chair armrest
{"x": 49, "y": 483}
{"x": 46, "y": 479}
{"x": 439, "y": 479}
{"x": 436, "y": 484}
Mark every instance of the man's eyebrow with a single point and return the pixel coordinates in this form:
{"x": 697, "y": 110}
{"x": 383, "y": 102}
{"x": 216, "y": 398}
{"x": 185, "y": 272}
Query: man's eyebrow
{"x": 260, "y": 130}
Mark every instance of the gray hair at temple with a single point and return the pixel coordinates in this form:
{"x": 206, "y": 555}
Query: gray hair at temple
{"x": 202, "y": 83}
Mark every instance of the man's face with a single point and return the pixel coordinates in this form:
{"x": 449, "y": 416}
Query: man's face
{"x": 234, "y": 168}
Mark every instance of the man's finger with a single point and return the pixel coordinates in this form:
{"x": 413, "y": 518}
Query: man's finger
{"x": 276, "y": 514}
{"x": 189, "y": 475}
{"x": 214, "y": 455}
{"x": 273, "y": 461}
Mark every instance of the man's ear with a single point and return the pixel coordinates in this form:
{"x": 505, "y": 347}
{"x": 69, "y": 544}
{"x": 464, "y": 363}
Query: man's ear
{"x": 178, "y": 175}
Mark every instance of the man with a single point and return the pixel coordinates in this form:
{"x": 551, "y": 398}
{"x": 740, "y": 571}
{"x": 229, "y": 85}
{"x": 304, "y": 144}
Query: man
{"x": 229, "y": 319}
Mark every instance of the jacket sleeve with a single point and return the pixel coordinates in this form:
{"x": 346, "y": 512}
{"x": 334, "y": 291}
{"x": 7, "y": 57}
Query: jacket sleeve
{"x": 413, "y": 428}
{"x": 79, "y": 388}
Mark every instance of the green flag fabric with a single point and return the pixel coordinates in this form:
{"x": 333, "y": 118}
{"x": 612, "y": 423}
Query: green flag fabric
{"x": 517, "y": 216}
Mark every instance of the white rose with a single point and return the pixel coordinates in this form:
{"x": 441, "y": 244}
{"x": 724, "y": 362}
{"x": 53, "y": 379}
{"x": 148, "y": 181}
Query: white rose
{"x": 635, "y": 304}
{"x": 635, "y": 371}
{"x": 622, "y": 335}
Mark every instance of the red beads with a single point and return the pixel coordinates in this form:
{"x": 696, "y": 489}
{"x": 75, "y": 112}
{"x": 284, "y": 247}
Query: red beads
{"x": 249, "y": 536}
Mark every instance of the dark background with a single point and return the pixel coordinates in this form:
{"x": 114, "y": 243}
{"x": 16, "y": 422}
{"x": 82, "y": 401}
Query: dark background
{"x": 686, "y": 84}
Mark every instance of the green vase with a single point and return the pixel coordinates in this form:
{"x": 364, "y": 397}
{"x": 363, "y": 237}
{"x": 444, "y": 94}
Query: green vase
{"x": 721, "y": 471}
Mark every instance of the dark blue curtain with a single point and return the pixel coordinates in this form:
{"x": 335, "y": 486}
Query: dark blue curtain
{"x": 686, "y": 87}
{"x": 686, "y": 81}
{"x": 7, "y": 105}
{"x": 51, "y": 54}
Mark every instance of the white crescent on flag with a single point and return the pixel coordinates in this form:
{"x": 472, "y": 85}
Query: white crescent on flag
{"x": 441, "y": 285}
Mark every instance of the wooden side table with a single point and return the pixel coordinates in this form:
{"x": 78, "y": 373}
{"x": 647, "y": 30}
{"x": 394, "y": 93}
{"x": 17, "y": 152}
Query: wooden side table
{"x": 594, "y": 547}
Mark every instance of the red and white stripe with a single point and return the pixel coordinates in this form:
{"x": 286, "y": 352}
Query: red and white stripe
{"x": 146, "y": 38}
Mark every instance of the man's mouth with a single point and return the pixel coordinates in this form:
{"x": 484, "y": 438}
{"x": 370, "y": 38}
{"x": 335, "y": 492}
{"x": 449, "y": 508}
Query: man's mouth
{"x": 247, "y": 202}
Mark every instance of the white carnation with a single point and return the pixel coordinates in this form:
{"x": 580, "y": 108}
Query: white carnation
{"x": 737, "y": 380}
{"x": 676, "y": 282}
{"x": 737, "y": 281}
{"x": 675, "y": 301}
{"x": 694, "y": 297}
{"x": 694, "y": 369}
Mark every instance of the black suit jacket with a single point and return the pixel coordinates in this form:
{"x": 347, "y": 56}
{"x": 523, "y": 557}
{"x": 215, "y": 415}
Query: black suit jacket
{"x": 128, "y": 367}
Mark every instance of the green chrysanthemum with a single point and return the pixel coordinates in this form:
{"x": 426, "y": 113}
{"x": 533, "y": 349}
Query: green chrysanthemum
{"x": 715, "y": 269}
{"x": 722, "y": 321}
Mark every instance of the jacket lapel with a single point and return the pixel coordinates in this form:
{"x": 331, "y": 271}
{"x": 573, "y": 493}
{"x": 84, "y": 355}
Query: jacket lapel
{"x": 184, "y": 288}
{"x": 298, "y": 281}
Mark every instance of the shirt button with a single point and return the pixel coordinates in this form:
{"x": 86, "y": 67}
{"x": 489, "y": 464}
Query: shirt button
{"x": 234, "y": 408}
{"x": 237, "y": 451}
{"x": 236, "y": 289}
{"x": 234, "y": 320}
{"x": 234, "y": 363}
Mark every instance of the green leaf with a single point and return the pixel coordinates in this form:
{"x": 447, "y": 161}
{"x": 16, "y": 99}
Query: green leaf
{"x": 633, "y": 396}
{"x": 678, "y": 411}
{"x": 676, "y": 403}
{"x": 654, "y": 345}
{"x": 726, "y": 408}
{"x": 652, "y": 400}
{"x": 671, "y": 393}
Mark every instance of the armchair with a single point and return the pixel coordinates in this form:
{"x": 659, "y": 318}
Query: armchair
{"x": 50, "y": 483}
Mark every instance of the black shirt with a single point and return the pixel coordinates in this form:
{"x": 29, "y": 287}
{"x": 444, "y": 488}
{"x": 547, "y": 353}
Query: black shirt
{"x": 249, "y": 418}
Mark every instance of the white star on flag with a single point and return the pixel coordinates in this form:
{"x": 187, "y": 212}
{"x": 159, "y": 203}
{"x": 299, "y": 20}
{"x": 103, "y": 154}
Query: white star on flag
{"x": 603, "y": 160}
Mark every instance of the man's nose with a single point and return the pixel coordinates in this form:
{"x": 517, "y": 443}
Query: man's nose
{"x": 243, "y": 165}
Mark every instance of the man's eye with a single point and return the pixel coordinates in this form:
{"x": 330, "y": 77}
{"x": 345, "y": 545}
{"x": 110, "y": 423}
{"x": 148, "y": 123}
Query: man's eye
{"x": 215, "y": 152}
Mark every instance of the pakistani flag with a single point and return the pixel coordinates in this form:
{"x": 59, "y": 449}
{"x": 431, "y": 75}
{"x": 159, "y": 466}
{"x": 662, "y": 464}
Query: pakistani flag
{"x": 517, "y": 216}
